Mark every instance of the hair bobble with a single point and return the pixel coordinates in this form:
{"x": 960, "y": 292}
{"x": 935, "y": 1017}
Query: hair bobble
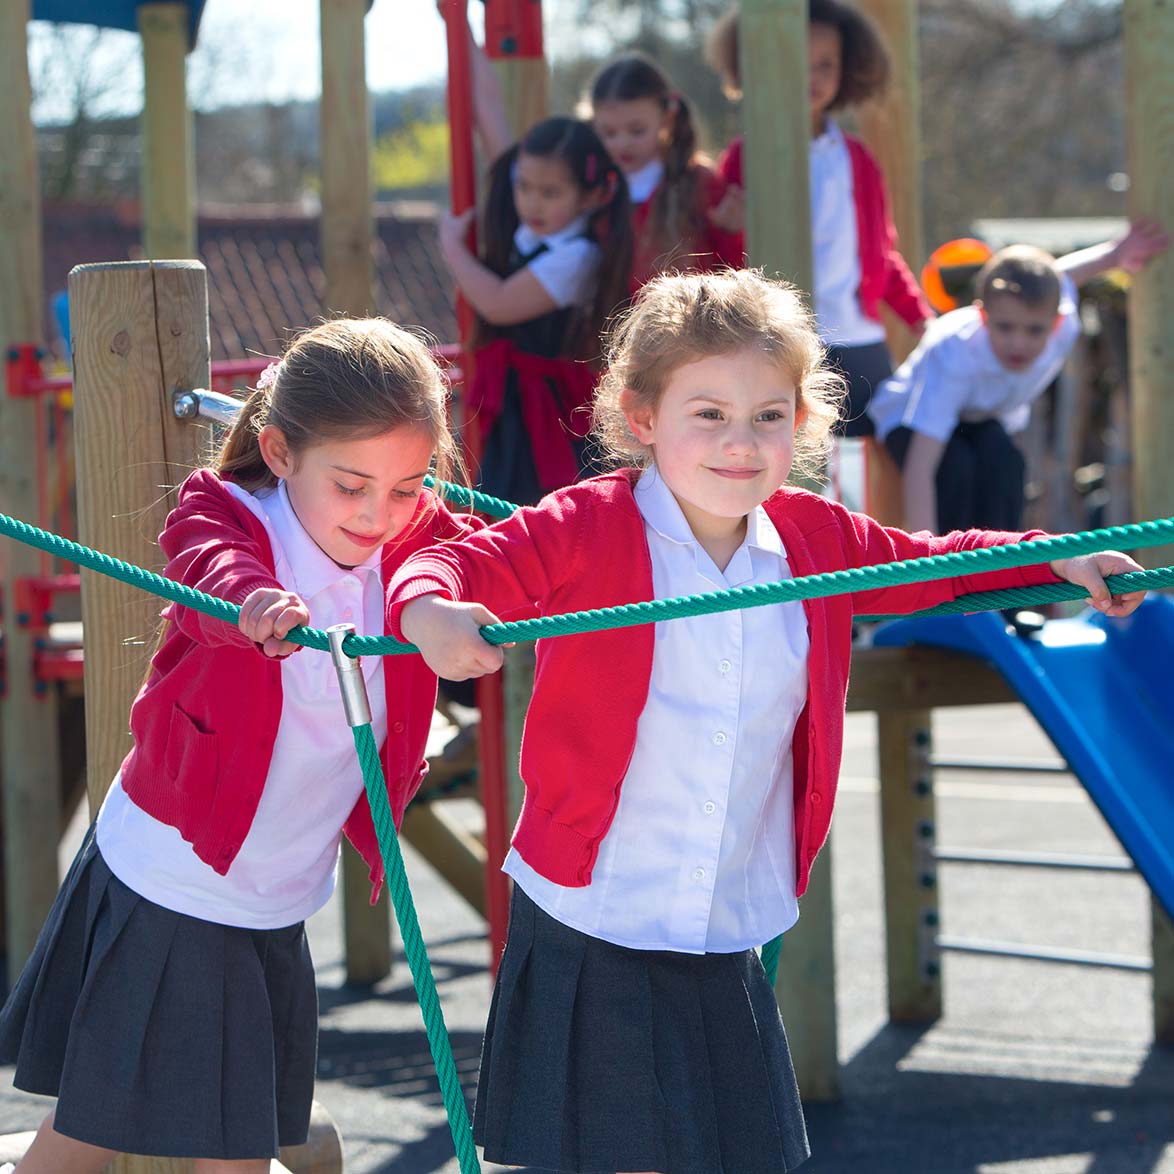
{"x": 268, "y": 378}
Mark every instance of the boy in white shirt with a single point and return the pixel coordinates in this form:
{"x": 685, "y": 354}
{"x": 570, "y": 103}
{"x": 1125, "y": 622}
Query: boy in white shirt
{"x": 949, "y": 412}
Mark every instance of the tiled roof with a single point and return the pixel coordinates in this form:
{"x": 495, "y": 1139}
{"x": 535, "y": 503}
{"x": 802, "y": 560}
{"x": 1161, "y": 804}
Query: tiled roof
{"x": 265, "y": 274}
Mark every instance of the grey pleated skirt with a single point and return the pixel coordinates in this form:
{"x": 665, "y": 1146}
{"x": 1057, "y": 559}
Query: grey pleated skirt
{"x": 599, "y": 1058}
{"x": 163, "y": 1034}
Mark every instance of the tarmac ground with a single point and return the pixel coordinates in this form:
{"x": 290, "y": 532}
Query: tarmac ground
{"x": 1035, "y": 1068}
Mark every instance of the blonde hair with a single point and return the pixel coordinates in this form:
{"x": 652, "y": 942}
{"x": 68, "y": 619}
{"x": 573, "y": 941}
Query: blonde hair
{"x": 680, "y": 318}
{"x": 348, "y": 378}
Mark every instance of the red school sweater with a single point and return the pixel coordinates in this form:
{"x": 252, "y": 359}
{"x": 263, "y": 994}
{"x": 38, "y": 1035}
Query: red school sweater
{"x": 712, "y": 248}
{"x": 884, "y": 275}
{"x": 585, "y": 547}
{"x": 205, "y": 721}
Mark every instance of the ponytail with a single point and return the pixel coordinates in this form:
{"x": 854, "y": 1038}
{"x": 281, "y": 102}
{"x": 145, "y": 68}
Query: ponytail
{"x": 240, "y": 454}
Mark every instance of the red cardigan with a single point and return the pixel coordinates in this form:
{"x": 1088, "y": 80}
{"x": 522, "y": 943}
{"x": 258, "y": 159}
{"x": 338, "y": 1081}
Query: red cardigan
{"x": 884, "y": 275}
{"x": 585, "y": 547}
{"x": 205, "y": 721}
{"x": 713, "y": 248}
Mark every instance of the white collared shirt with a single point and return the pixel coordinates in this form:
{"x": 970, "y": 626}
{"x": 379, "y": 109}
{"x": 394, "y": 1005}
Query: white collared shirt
{"x": 700, "y": 856}
{"x": 568, "y": 268}
{"x": 644, "y": 181}
{"x": 835, "y": 241}
{"x": 285, "y": 870}
{"x": 953, "y": 375}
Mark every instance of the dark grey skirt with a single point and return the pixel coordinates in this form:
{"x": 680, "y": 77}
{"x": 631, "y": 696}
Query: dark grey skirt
{"x": 864, "y": 369}
{"x": 599, "y": 1058}
{"x": 163, "y": 1034}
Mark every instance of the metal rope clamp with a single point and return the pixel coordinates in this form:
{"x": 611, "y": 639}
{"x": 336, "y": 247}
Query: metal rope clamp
{"x": 350, "y": 677}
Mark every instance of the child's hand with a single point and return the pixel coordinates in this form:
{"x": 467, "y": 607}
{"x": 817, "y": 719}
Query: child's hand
{"x": 1091, "y": 570}
{"x": 729, "y": 213}
{"x": 1145, "y": 239}
{"x": 267, "y": 614}
{"x": 454, "y": 230}
{"x": 448, "y": 637}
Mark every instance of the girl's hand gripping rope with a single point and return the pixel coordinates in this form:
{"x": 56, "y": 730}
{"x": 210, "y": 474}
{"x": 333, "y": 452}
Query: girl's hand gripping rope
{"x": 448, "y": 636}
{"x": 267, "y": 614}
{"x": 1091, "y": 570}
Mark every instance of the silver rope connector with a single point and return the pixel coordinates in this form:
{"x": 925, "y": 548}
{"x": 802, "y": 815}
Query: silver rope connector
{"x": 206, "y": 405}
{"x": 350, "y": 677}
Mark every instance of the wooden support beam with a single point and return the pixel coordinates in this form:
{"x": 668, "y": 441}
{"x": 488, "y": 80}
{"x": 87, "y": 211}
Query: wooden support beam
{"x": 1149, "y": 88}
{"x": 140, "y": 333}
{"x": 910, "y": 871}
{"x": 30, "y": 764}
{"x": 347, "y": 239}
{"x": 168, "y": 163}
{"x": 772, "y": 47}
{"x": 457, "y": 855}
{"x": 806, "y": 987}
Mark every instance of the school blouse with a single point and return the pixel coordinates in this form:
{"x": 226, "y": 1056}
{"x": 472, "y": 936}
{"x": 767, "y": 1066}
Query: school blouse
{"x": 700, "y": 856}
{"x": 567, "y": 265}
{"x": 954, "y": 376}
{"x": 285, "y": 869}
{"x": 835, "y": 239}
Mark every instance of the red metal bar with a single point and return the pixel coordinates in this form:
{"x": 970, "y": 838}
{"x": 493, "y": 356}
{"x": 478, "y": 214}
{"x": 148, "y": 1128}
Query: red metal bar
{"x": 490, "y": 701}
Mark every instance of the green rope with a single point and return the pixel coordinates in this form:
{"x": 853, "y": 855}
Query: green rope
{"x": 460, "y": 495}
{"x": 417, "y": 953}
{"x": 818, "y": 586}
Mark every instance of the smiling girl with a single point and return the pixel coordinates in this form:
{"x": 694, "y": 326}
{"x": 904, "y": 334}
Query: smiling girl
{"x": 680, "y": 777}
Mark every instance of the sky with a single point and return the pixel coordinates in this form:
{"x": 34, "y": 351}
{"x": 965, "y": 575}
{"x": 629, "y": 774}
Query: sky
{"x": 262, "y": 50}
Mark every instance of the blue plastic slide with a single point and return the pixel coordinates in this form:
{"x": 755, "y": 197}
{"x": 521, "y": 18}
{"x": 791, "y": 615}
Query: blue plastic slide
{"x": 1103, "y": 690}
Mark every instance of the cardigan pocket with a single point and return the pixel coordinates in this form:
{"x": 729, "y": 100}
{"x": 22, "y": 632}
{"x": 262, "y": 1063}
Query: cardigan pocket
{"x": 190, "y": 761}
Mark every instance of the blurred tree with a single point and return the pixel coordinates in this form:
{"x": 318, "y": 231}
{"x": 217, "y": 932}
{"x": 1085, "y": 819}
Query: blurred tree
{"x": 412, "y": 158}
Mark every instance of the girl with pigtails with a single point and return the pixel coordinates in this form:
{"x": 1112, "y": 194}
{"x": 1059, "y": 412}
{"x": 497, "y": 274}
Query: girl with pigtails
{"x": 554, "y": 263}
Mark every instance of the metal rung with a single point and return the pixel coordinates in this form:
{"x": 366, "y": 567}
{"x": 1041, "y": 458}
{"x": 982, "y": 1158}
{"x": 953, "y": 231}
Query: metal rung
{"x": 1045, "y": 954}
{"x": 1034, "y": 859}
{"x": 1035, "y": 766}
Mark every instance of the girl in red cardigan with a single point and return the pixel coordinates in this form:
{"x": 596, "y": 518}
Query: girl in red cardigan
{"x": 555, "y": 257}
{"x": 678, "y": 200}
{"x": 857, "y": 265}
{"x": 170, "y": 1002}
{"x": 679, "y": 778}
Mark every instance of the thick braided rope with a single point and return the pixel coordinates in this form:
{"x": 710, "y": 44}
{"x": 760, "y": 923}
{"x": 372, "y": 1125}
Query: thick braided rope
{"x": 415, "y": 950}
{"x": 459, "y": 495}
{"x": 634, "y": 614}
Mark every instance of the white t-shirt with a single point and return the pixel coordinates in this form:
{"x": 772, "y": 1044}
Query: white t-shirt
{"x": 644, "y": 181}
{"x": 953, "y": 376}
{"x": 836, "y": 245}
{"x": 285, "y": 870}
{"x": 568, "y": 268}
{"x": 700, "y": 856}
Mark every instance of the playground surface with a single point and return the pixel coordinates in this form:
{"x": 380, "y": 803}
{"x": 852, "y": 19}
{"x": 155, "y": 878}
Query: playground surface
{"x": 1034, "y": 1068}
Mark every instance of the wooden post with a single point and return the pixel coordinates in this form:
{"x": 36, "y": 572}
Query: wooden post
{"x": 347, "y": 238}
{"x": 347, "y": 228}
{"x": 892, "y": 129}
{"x": 806, "y": 987}
{"x": 910, "y": 872}
{"x": 30, "y": 766}
{"x": 168, "y": 165}
{"x": 1163, "y": 993}
{"x": 776, "y": 125}
{"x": 772, "y": 40}
{"x": 1149, "y": 33}
{"x": 1149, "y": 85}
{"x": 513, "y": 42}
{"x": 140, "y": 332}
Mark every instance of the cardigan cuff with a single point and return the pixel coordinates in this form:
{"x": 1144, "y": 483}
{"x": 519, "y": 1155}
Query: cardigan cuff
{"x": 554, "y": 850}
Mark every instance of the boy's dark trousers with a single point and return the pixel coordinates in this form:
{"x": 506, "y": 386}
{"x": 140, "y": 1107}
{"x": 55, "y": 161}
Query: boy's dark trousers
{"x": 979, "y": 479}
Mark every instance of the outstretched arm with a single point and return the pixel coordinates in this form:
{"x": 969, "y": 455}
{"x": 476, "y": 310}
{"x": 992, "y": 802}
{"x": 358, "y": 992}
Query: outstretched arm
{"x": 1144, "y": 240}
